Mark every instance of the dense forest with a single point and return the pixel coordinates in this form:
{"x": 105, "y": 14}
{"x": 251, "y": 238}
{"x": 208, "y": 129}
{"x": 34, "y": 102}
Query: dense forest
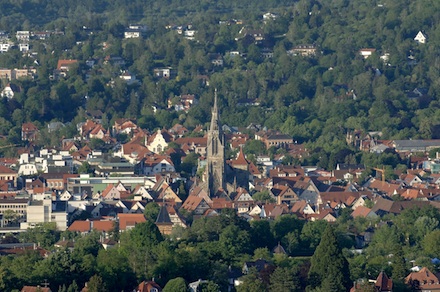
{"x": 214, "y": 246}
{"x": 316, "y": 99}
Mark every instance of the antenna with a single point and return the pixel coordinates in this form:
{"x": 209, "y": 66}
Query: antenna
{"x": 45, "y": 283}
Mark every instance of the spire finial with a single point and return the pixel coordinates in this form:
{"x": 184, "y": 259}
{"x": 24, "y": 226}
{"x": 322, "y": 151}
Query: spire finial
{"x": 215, "y": 98}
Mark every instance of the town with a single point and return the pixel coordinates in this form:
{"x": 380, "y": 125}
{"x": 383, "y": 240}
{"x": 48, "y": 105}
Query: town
{"x": 219, "y": 146}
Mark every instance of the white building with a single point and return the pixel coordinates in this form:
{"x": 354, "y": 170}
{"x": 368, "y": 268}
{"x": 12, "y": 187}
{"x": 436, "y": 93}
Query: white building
{"x": 420, "y": 38}
{"x": 46, "y": 211}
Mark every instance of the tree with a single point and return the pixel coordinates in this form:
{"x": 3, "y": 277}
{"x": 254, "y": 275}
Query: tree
{"x": 151, "y": 211}
{"x": 329, "y": 268}
{"x": 175, "y": 285}
{"x": 284, "y": 280}
{"x": 398, "y": 264}
{"x": 263, "y": 196}
{"x": 251, "y": 282}
{"x": 96, "y": 284}
{"x": 209, "y": 286}
{"x": 431, "y": 243}
{"x": 85, "y": 168}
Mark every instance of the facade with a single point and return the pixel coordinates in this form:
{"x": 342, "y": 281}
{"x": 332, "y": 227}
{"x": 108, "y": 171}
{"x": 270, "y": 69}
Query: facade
{"x": 45, "y": 211}
{"x": 215, "y": 168}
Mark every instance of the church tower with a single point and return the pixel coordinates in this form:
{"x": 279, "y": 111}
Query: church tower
{"x": 215, "y": 153}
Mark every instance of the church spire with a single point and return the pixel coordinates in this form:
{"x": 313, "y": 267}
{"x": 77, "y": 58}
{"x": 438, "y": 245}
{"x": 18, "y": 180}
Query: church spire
{"x": 215, "y": 123}
{"x": 215, "y": 151}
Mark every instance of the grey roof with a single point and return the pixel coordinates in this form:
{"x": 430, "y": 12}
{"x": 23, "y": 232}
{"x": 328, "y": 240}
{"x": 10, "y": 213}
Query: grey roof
{"x": 416, "y": 144}
{"x": 163, "y": 216}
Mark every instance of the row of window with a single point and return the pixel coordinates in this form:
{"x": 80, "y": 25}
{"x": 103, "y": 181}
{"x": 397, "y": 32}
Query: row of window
{"x": 23, "y": 206}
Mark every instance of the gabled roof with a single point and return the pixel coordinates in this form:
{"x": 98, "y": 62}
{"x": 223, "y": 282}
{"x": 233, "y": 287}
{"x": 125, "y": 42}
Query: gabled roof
{"x": 130, "y": 220}
{"x": 146, "y": 286}
{"x": 65, "y": 63}
{"x": 4, "y": 169}
{"x": 360, "y": 211}
{"x": 425, "y": 278}
{"x": 383, "y": 283}
{"x": 163, "y": 217}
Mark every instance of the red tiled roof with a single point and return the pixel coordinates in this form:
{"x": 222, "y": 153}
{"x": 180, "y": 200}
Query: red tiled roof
{"x": 65, "y": 63}
{"x": 126, "y": 220}
{"x": 80, "y": 226}
{"x": 360, "y": 211}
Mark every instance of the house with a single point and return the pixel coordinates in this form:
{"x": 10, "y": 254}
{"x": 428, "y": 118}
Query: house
{"x": 178, "y": 131}
{"x": 366, "y": 52}
{"x": 129, "y": 221}
{"x": 86, "y": 226}
{"x": 22, "y": 36}
{"x": 159, "y": 141}
{"x": 155, "y": 164}
{"x": 302, "y": 50}
{"x": 243, "y": 200}
{"x": 10, "y": 90}
{"x": 284, "y": 194}
{"x": 183, "y": 103}
{"x": 256, "y": 34}
{"x": 111, "y": 193}
{"x": 167, "y": 72}
{"x": 381, "y": 284}
{"x": 196, "y": 204}
{"x": 125, "y": 126}
{"x": 29, "y": 132}
{"x": 7, "y": 174}
{"x": 363, "y": 211}
{"x": 5, "y": 45}
{"x": 423, "y": 280}
{"x": 148, "y": 286}
{"x": 63, "y": 67}
{"x": 277, "y": 140}
{"x": 193, "y": 144}
{"x": 259, "y": 265}
{"x": 128, "y": 77}
{"x": 420, "y": 38}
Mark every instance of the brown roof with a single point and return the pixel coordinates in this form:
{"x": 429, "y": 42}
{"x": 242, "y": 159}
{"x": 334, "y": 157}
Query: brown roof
{"x": 383, "y": 283}
{"x": 146, "y": 286}
{"x": 4, "y": 169}
{"x": 192, "y": 202}
{"x": 35, "y": 289}
{"x": 80, "y": 226}
{"x": 126, "y": 220}
{"x": 426, "y": 279}
{"x": 28, "y": 127}
{"x": 103, "y": 226}
{"x": 360, "y": 211}
{"x": 65, "y": 63}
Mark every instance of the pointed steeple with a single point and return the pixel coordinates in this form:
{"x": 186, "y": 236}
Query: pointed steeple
{"x": 215, "y": 123}
{"x": 215, "y": 152}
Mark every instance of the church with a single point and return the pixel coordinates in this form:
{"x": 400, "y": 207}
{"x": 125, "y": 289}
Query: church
{"x": 221, "y": 178}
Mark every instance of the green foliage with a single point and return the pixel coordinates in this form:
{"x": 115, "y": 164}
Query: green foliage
{"x": 284, "y": 280}
{"x": 151, "y": 211}
{"x": 431, "y": 243}
{"x": 96, "y": 284}
{"x": 44, "y": 234}
{"x": 263, "y": 196}
{"x": 251, "y": 282}
{"x": 175, "y": 285}
{"x": 329, "y": 268}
